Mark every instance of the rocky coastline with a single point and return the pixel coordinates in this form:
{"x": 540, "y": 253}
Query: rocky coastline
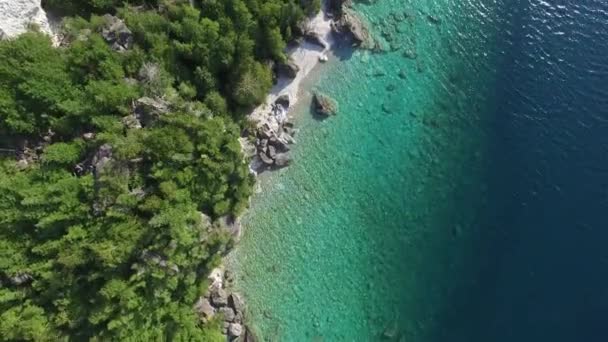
{"x": 267, "y": 146}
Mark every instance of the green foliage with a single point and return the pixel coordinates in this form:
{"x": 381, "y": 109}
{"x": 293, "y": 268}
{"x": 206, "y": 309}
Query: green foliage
{"x": 253, "y": 85}
{"x": 101, "y": 236}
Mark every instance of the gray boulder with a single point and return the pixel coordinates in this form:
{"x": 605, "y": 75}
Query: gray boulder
{"x": 236, "y": 302}
{"x": 272, "y": 152}
{"x": 228, "y": 313}
{"x": 235, "y": 330}
{"x": 265, "y": 158}
{"x": 21, "y": 278}
{"x": 116, "y": 33}
{"x": 288, "y": 69}
{"x": 219, "y": 297}
{"x": 204, "y": 308}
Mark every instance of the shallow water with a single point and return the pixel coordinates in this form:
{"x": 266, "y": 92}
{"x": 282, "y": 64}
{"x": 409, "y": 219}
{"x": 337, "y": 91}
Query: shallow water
{"x": 399, "y": 216}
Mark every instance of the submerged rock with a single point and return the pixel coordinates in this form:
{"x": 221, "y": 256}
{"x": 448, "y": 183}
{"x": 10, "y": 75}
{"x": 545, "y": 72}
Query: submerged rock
{"x": 433, "y": 19}
{"x": 282, "y": 160}
{"x": 324, "y": 105}
{"x": 402, "y": 74}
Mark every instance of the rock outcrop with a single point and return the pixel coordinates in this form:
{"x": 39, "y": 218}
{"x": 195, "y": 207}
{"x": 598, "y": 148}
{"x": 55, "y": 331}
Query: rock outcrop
{"x": 16, "y": 16}
{"x": 146, "y": 110}
{"x": 273, "y": 137}
{"x": 288, "y": 69}
{"x": 356, "y": 27}
{"x": 116, "y": 33}
{"x": 229, "y": 305}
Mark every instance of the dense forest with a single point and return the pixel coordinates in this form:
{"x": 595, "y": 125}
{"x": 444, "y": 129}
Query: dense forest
{"x": 118, "y": 153}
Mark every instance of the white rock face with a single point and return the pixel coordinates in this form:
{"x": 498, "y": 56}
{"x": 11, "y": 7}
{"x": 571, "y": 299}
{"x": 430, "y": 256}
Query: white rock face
{"x": 16, "y": 15}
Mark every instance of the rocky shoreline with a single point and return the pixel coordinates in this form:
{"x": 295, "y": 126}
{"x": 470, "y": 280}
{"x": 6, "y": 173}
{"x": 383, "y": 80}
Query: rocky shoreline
{"x": 268, "y": 144}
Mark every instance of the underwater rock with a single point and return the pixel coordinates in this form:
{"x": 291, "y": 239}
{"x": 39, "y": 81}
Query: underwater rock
{"x": 282, "y": 160}
{"x": 402, "y": 74}
{"x": 410, "y": 54}
{"x": 324, "y": 105}
{"x": 433, "y": 19}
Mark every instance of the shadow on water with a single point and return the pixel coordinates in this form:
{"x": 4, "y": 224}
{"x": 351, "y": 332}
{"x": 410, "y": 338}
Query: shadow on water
{"x": 546, "y": 269}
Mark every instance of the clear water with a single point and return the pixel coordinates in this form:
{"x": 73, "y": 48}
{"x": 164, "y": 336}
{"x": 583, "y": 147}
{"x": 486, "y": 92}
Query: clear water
{"x": 397, "y": 219}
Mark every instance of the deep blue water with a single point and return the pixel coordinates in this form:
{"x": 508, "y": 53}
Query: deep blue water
{"x": 547, "y": 272}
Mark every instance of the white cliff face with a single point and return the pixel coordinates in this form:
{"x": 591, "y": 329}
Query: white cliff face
{"x": 17, "y": 15}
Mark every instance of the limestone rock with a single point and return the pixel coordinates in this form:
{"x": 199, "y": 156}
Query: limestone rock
{"x": 219, "y": 298}
{"x": 288, "y": 69}
{"x": 203, "y": 307}
{"x": 17, "y": 15}
{"x": 228, "y": 313}
{"x": 232, "y": 225}
{"x": 235, "y": 330}
{"x": 88, "y": 136}
{"x": 236, "y": 302}
{"x": 21, "y": 278}
{"x": 151, "y": 106}
{"x": 102, "y": 157}
{"x": 131, "y": 122}
{"x": 116, "y": 33}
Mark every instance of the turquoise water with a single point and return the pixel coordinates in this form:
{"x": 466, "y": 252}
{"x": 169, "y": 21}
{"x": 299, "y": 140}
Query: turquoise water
{"x": 374, "y": 231}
